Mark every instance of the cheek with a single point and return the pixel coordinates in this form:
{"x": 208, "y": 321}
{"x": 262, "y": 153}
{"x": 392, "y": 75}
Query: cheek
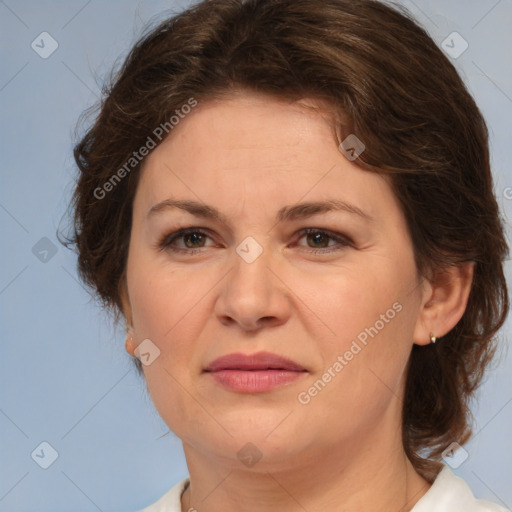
{"x": 350, "y": 303}
{"x": 371, "y": 315}
{"x": 166, "y": 307}
{"x": 161, "y": 295}
{"x": 363, "y": 365}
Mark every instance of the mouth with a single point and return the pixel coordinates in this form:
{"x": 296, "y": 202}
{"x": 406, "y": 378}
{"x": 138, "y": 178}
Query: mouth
{"x": 254, "y": 373}
{"x": 254, "y": 362}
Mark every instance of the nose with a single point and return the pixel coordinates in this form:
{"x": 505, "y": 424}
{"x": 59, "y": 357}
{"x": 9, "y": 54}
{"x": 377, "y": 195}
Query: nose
{"x": 253, "y": 294}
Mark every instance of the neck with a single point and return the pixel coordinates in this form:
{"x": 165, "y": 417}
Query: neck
{"x": 370, "y": 475}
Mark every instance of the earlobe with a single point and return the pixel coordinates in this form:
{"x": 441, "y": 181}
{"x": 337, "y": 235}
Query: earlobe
{"x": 130, "y": 343}
{"x": 445, "y": 302}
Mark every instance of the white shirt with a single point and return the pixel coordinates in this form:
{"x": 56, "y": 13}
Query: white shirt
{"x": 448, "y": 493}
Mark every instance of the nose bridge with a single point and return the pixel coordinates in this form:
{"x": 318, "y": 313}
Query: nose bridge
{"x": 251, "y": 291}
{"x": 251, "y": 263}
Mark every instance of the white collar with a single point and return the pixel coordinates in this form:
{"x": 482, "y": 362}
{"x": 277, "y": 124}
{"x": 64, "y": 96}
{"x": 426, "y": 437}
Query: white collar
{"x": 448, "y": 493}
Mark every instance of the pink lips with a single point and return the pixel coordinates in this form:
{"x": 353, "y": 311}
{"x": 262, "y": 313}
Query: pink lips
{"x": 254, "y": 373}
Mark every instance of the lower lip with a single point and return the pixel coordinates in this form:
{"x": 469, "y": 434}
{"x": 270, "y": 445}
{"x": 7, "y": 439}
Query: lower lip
{"x": 255, "y": 381}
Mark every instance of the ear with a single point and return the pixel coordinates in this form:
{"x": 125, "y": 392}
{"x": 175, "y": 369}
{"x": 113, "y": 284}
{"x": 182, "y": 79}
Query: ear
{"x": 444, "y": 302}
{"x": 122, "y": 290}
{"x": 130, "y": 343}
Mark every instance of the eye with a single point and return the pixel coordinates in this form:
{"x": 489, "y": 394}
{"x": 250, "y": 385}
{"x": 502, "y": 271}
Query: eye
{"x": 193, "y": 238}
{"x": 320, "y": 240}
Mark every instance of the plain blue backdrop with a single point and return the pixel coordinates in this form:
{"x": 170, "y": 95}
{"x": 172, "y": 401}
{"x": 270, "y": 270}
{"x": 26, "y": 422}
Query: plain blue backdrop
{"x": 65, "y": 377}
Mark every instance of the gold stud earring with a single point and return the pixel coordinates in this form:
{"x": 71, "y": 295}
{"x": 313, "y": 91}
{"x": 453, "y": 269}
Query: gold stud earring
{"x": 432, "y": 338}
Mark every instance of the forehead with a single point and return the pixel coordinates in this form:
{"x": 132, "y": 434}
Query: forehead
{"x": 256, "y": 146}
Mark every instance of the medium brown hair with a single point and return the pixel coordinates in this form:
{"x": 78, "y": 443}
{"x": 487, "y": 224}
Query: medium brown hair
{"x": 402, "y": 97}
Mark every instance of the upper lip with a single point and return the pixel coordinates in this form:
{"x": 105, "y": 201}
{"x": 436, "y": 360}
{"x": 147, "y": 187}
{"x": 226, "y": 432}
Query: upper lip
{"x": 258, "y": 361}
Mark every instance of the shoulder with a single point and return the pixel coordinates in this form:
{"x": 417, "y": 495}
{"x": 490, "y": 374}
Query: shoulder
{"x": 170, "y": 501}
{"x": 450, "y": 493}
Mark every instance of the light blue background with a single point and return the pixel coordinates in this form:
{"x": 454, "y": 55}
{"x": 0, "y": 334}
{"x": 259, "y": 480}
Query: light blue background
{"x": 65, "y": 376}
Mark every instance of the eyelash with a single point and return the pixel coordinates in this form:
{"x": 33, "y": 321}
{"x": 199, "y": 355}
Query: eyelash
{"x": 167, "y": 240}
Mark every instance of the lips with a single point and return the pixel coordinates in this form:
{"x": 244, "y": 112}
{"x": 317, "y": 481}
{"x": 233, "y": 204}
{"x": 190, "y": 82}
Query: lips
{"x": 254, "y": 373}
{"x": 253, "y": 362}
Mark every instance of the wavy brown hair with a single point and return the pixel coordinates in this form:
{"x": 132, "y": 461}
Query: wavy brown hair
{"x": 378, "y": 70}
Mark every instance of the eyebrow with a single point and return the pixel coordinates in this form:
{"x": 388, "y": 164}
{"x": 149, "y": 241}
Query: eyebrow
{"x": 286, "y": 213}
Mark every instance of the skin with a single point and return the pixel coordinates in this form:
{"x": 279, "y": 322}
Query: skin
{"x": 249, "y": 155}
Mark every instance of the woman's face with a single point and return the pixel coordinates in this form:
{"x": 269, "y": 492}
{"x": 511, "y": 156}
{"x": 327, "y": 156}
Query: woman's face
{"x": 342, "y": 301}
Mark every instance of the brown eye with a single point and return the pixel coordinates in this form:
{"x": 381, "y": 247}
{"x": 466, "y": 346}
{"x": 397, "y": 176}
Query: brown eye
{"x": 193, "y": 239}
{"x": 318, "y": 240}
